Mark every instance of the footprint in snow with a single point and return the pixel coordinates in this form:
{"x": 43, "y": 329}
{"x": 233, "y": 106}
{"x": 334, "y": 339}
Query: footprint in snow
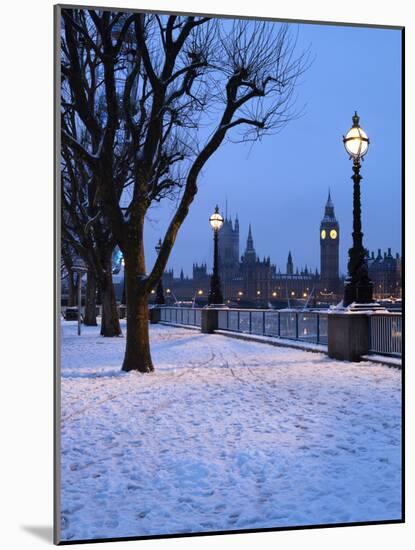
{"x": 64, "y": 522}
{"x": 220, "y": 507}
{"x": 112, "y": 523}
{"x": 77, "y": 466}
{"x": 136, "y": 443}
{"x": 330, "y": 452}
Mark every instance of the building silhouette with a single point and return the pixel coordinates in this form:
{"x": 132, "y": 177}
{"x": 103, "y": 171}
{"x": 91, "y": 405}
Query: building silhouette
{"x": 250, "y": 281}
{"x": 255, "y": 275}
{"x": 228, "y": 247}
{"x": 329, "y": 250}
{"x": 385, "y": 271}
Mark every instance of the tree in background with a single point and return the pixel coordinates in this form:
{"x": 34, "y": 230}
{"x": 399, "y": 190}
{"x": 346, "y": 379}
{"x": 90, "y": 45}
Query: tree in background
{"x": 67, "y": 273}
{"x": 171, "y": 90}
{"x": 86, "y": 232}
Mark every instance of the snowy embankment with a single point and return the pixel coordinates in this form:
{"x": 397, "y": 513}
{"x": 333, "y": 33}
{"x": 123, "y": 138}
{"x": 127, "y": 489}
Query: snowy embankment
{"x": 226, "y": 434}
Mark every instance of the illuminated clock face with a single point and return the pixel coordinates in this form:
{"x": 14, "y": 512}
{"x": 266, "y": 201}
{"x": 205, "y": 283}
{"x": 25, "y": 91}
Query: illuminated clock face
{"x": 323, "y": 233}
{"x": 333, "y": 234}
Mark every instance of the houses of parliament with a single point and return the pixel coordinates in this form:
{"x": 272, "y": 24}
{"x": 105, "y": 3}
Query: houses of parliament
{"x": 248, "y": 280}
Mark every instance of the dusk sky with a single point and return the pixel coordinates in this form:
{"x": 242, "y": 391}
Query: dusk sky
{"x": 280, "y": 184}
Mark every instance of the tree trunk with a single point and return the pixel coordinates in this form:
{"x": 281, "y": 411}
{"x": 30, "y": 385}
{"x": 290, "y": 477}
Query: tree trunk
{"x": 110, "y": 322}
{"x": 137, "y": 351}
{"x": 90, "y": 318}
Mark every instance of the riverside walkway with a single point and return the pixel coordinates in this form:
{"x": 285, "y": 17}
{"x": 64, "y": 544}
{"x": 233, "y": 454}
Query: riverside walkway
{"x": 225, "y": 434}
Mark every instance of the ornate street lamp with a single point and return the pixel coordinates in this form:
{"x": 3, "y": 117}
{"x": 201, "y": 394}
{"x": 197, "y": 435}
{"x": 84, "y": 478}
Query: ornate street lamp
{"x": 159, "y": 292}
{"x": 358, "y": 287}
{"x": 215, "y": 296}
{"x": 80, "y": 268}
{"x": 123, "y": 300}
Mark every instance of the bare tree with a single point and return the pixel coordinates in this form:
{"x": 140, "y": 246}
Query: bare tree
{"x": 67, "y": 262}
{"x": 86, "y": 232}
{"x": 173, "y": 88}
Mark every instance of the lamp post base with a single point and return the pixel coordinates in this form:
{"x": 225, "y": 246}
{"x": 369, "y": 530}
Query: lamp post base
{"x": 215, "y": 295}
{"x": 347, "y": 336}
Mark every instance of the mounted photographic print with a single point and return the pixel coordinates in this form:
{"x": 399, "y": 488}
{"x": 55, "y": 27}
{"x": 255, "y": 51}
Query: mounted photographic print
{"x": 229, "y": 274}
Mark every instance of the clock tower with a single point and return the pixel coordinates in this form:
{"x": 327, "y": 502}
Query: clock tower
{"x": 329, "y": 250}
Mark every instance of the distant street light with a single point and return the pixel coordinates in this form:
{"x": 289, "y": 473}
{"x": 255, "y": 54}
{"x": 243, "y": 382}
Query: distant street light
{"x": 123, "y": 295}
{"x": 159, "y": 293}
{"x": 123, "y": 300}
{"x": 358, "y": 286}
{"x": 215, "y": 296}
{"x": 80, "y": 269}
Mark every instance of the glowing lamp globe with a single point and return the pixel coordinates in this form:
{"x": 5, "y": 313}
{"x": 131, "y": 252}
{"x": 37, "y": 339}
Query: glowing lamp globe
{"x": 216, "y": 220}
{"x": 356, "y": 141}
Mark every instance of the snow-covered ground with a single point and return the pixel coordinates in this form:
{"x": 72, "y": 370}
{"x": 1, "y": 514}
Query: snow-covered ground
{"x": 226, "y": 434}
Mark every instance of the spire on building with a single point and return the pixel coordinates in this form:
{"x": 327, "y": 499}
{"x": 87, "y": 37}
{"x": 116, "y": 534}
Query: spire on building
{"x": 290, "y": 265}
{"x": 329, "y": 215}
{"x": 250, "y": 240}
{"x": 250, "y": 254}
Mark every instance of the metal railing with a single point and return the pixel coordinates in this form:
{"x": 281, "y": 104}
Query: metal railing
{"x": 294, "y": 325}
{"x": 310, "y": 326}
{"x": 181, "y": 315}
{"x": 385, "y": 333}
{"x": 385, "y": 329}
